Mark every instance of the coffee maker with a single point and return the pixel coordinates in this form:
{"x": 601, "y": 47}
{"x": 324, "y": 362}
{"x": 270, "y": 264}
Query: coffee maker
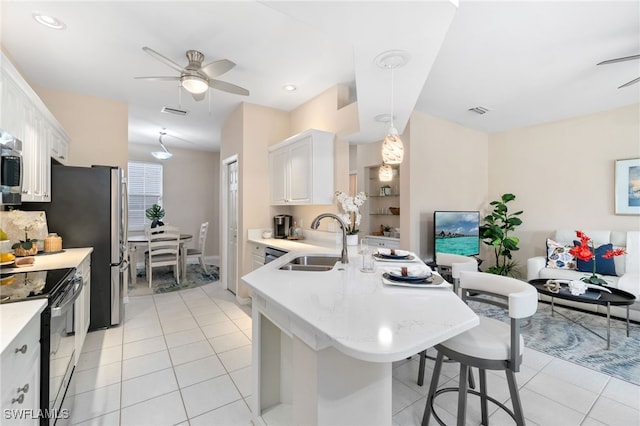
{"x": 281, "y": 225}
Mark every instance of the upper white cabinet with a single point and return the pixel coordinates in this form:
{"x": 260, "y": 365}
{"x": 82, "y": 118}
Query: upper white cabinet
{"x": 301, "y": 169}
{"x": 25, "y": 116}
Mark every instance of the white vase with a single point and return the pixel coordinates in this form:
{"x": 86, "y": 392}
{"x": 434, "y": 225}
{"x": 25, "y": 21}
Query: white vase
{"x": 352, "y": 240}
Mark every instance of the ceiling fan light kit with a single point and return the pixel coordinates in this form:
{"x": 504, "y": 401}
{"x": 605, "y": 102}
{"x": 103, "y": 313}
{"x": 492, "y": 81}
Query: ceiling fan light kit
{"x": 392, "y": 147}
{"x": 195, "y": 77}
{"x": 194, "y": 84}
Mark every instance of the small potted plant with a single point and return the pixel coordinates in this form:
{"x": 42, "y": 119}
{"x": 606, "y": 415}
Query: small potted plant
{"x": 387, "y": 231}
{"x": 26, "y": 247}
{"x": 155, "y": 213}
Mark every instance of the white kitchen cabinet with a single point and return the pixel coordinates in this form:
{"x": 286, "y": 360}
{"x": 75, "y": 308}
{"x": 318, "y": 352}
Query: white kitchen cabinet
{"x": 20, "y": 364}
{"x": 82, "y": 306}
{"x": 301, "y": 169}
{"x": 257, "y": 255}
{"x": 26, "y": 117}
{"x": 59, "y": 147}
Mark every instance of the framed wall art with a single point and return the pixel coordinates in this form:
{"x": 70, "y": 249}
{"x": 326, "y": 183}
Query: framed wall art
{"x": 627, "y": 186}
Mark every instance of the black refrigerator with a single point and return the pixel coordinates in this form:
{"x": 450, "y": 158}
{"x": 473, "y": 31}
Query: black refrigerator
{"x": 88, "y": 208}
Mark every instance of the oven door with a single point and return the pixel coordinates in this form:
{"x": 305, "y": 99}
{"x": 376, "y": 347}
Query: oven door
{"x": 62, "y": 348}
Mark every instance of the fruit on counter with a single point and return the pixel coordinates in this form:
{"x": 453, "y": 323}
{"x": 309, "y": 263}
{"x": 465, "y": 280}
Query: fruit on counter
{"x": 3, "y": 235}
{"x": 8, "y": 280}
{"x": 7, "y": 257}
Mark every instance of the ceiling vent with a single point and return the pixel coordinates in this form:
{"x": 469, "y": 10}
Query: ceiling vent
{"x": 173, "y": 111}
{"x": 479, "y": 110}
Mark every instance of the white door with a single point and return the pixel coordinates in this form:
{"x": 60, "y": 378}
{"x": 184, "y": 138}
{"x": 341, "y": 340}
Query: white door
{"x": 232, "y": 226}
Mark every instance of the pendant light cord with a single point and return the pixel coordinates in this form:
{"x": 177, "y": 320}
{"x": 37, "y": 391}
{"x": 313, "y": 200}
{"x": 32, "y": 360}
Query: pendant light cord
{"x": 392, "y": 96}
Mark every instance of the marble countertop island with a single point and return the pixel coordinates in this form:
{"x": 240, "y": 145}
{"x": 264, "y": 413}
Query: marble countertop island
{"x": 341, "y": 329}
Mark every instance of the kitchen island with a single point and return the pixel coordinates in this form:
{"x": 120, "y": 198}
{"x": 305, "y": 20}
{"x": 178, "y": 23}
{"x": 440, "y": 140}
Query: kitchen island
{"x": 324, "y": 342}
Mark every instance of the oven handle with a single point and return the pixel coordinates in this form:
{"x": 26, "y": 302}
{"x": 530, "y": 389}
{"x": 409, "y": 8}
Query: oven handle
{"x": 62, "y": 307}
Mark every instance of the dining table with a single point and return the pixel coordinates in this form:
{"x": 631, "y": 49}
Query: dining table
{"x": 137, "y": 241}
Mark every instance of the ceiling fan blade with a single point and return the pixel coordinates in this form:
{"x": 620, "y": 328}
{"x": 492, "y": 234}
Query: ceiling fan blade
{"x": 163, "y": 59}
{"x": 613, "y": 61}
{"x": 199, "y": 96}
{"x": 634, "y": 81}
{"x": 228, "y": 87}
{"x": 216, "y": 68}
{"x": 158, "y": 78}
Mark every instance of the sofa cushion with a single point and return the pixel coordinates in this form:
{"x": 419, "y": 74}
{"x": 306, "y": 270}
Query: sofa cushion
{"x": 603, "y": 266}
{"x": 558, "y": 256}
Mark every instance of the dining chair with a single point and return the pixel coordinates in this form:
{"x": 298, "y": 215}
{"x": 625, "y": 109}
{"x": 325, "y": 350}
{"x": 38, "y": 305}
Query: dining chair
{"x": 198, "y": 252}
{"x": 492, "y": 345}
{"x": 163, "y": 250}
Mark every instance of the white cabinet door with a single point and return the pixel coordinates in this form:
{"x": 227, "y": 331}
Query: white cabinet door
{"x": 300, "y": 172}
{"x": 11, "y": 117}
{"x": 278, "y": 176}
{"x": 257, "y": 256}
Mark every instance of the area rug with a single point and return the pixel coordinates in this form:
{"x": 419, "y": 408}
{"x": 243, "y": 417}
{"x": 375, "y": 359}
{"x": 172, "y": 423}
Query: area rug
{"x": 164, "y": 281}
{"x": 563, "y": 339}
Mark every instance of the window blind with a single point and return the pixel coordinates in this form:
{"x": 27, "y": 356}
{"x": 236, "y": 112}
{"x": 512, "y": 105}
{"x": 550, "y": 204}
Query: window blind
{"x": 145, "y": 190}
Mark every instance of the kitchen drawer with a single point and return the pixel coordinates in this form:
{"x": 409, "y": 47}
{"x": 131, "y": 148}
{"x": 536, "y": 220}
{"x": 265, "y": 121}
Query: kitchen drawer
{"x": 389, "y": 243}
{"x": 23, "y": 348}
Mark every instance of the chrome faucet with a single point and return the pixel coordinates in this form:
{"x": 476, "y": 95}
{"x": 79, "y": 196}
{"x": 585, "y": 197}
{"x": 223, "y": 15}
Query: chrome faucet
{"x": 316, "y": 223}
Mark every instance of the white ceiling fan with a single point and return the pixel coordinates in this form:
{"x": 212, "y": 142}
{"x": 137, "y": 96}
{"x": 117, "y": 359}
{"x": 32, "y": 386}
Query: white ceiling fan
{"x": 623, "y": 59}
{"x": 196, "y": 78}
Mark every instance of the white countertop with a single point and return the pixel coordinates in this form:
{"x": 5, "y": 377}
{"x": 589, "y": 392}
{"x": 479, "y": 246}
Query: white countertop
{"x": 354, "y": 311}
{"x": 314, "y": 241}
{"x": 15, "y": 316}
{"x": 69, "y": 258}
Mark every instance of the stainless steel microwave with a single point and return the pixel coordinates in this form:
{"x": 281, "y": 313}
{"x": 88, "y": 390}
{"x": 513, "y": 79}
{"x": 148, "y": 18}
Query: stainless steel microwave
{"x": 11, "y": 169}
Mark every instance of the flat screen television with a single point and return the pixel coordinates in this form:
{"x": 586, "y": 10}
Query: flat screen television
{"x": 457, "y": 232}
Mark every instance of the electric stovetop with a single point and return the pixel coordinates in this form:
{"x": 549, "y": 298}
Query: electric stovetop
{"x": 19, "y": 286}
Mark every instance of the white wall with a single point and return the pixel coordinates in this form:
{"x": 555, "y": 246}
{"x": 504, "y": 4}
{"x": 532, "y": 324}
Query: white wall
{"x": 97, "y": 127}
{"x": 562, "y": 174}
{"x": 448, "y": 167}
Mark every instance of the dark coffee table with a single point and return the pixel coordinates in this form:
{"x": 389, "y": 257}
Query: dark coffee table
{"x": 615, "y": 298}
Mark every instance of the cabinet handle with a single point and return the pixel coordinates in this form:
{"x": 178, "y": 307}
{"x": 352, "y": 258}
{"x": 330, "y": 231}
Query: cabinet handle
{"x": 22, "y": 349}
{"x": 24, "y": 389}
{"x": 19, "y": 399}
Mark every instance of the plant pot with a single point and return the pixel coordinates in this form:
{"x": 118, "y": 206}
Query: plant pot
{"x": 21, "y": 251}
{"x": 352, "y": 240}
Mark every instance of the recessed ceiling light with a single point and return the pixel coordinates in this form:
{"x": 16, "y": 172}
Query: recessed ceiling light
{"x": 289, "y": 88}
{"x": 49, "y": 21}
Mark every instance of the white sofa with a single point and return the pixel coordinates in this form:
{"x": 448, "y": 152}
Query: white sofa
{"x": 627, "y": 267}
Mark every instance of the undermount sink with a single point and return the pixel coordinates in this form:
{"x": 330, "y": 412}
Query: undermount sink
{"x": 311, "y": 263}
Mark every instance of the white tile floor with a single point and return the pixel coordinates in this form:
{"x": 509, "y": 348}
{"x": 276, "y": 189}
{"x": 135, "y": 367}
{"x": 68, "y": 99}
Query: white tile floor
{"x": 184, "y": 358}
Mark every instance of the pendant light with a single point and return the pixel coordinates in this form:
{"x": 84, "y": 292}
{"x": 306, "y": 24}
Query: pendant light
{"x": 392, "y": 148}
{"x": 164, "y": 154}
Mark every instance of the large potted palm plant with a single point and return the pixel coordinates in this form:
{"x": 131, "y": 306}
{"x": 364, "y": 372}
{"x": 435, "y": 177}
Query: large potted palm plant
{"x": 495, "y": 232}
